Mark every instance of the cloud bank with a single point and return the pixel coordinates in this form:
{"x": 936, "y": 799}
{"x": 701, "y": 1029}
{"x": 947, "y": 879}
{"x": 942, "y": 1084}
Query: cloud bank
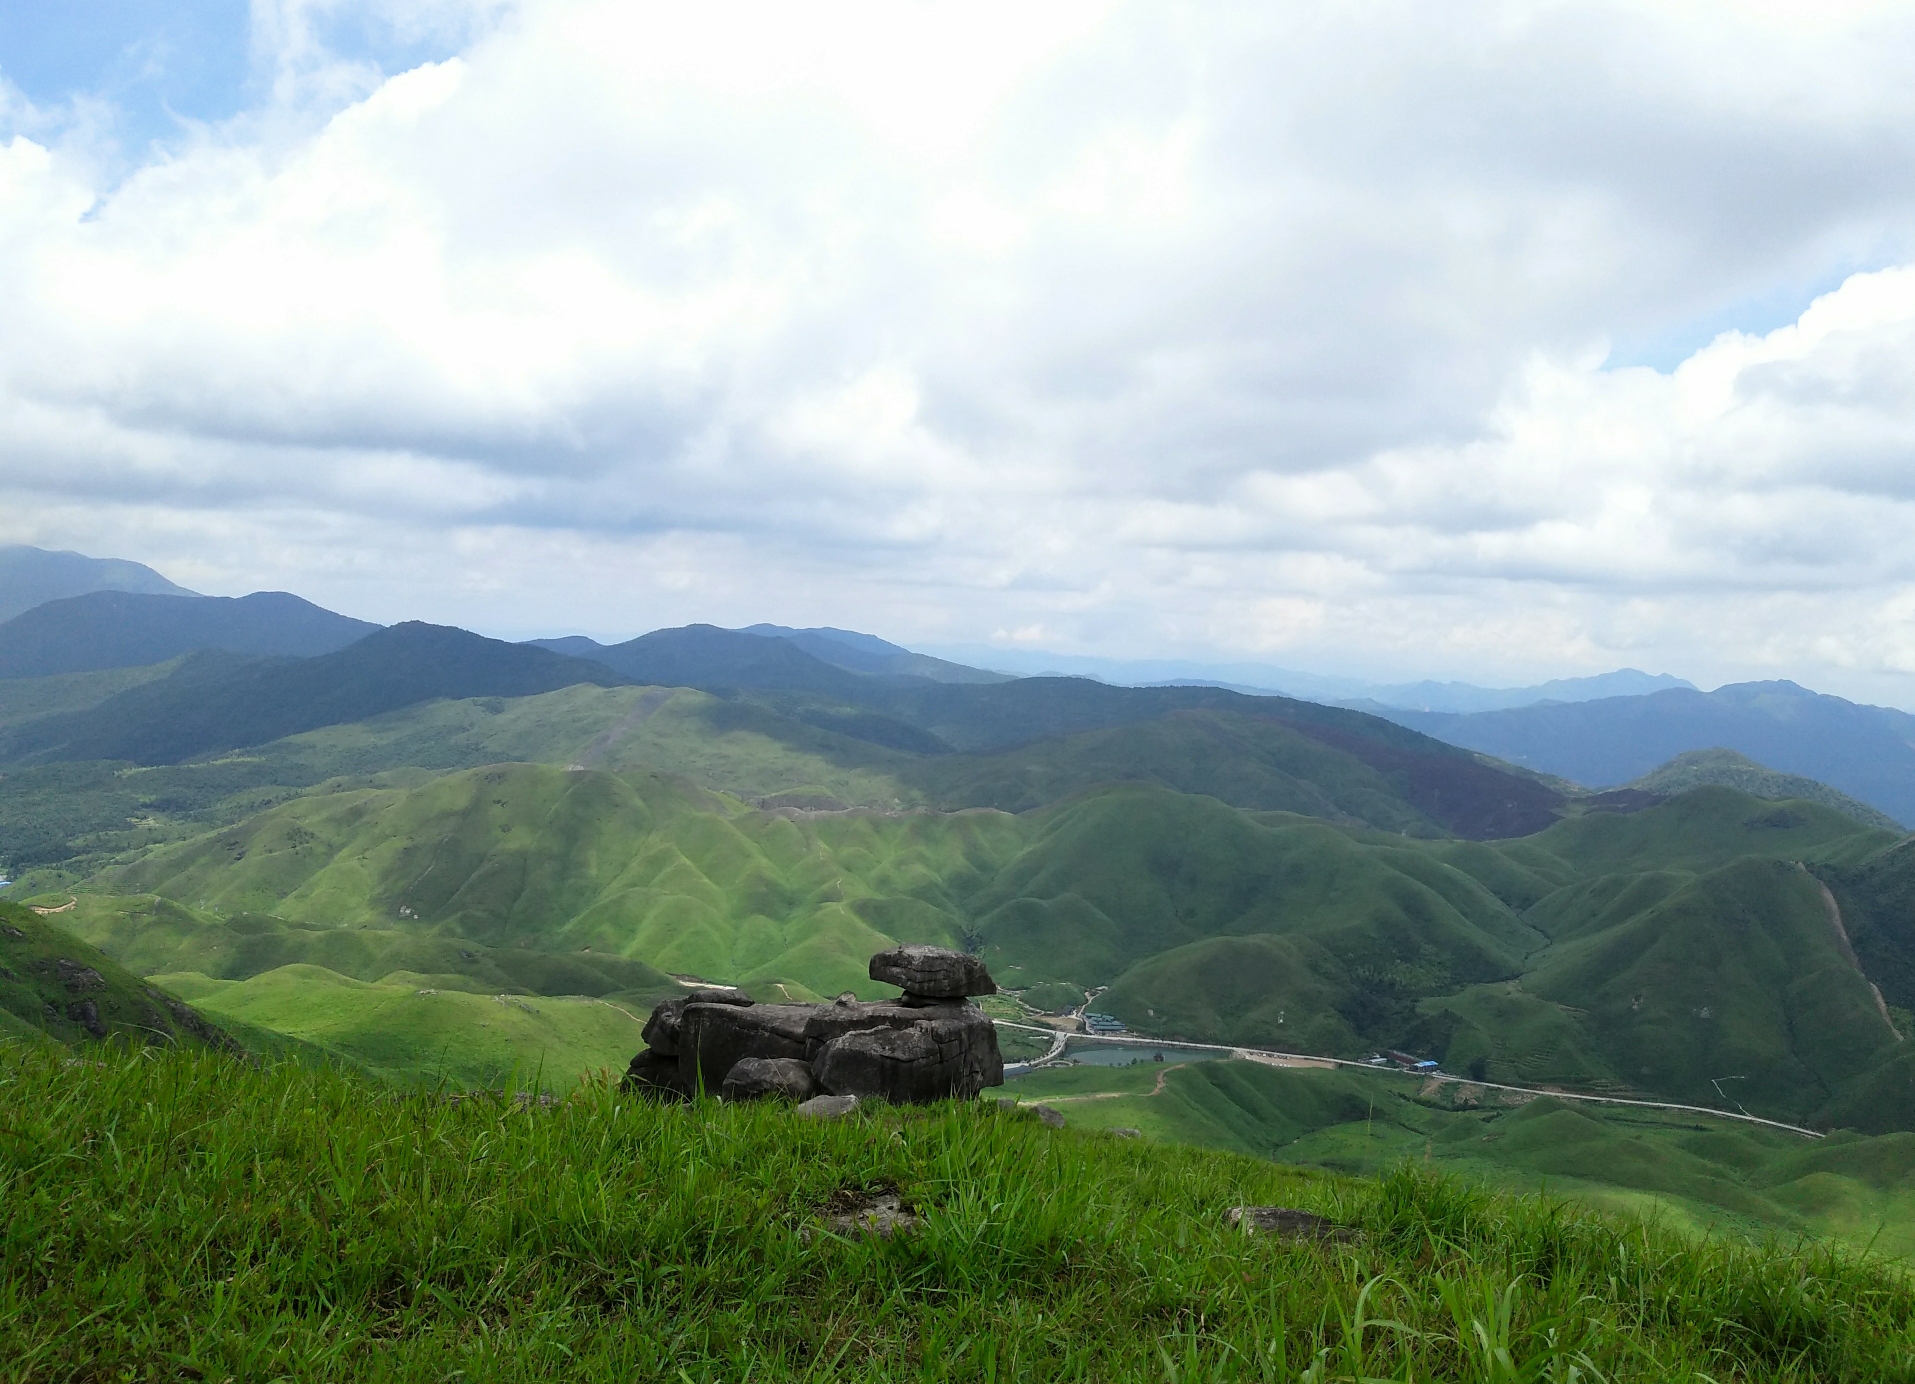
{"x": 1281, "y": 332}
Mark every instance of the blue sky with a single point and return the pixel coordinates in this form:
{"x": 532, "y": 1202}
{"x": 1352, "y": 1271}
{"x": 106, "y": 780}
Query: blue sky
{"x": 1302, "y": 334}
{"x": 145, "y": 58}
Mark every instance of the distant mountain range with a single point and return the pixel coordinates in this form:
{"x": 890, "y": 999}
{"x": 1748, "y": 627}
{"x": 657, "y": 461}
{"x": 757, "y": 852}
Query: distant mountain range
{"x": 1867, "y": 752}
{"x": 1602, "y": 731}
{"x": 1264, "y": 678}
{"x": 34, "y": 576}
{"x": 118, "y": 629}
{"x": 222, "y": 701}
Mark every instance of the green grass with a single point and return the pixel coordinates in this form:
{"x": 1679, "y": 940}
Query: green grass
{"x": 181, "y": 1218}
{"x": 409, "y": 1027}
{"x": 54, "y": 986}
{"x": 1694, "y": 1172}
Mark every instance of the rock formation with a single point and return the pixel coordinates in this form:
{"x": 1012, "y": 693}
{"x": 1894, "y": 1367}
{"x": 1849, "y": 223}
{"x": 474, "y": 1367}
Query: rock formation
{"x": 928, "y": 1044}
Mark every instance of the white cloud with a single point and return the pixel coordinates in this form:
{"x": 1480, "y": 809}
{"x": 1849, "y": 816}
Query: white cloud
{"x": 1224, "y": 328}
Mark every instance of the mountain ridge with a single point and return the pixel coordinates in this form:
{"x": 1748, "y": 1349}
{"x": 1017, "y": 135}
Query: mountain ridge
{"x": 119, "y": 629}
{"x": 33, "y": 576}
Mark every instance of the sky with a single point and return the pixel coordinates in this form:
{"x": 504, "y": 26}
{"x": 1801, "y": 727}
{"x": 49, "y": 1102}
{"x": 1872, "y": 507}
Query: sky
{"x": 1479, "y": 340}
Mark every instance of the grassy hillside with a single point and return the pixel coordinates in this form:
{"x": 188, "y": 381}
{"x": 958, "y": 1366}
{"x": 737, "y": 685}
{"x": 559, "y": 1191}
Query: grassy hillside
{"x": 359, "y": 1237}
{"x": 1728, "y": 769}
{"x": 54, "y": 986}
{"x": 1660, "y": 951}
{"x": 1702, "y": 1174}
{"x": 412, "y": 1027}
{"x": 644, "y": 866}
{"x": 24, "y": 699}
{"x": 79, "y": 815}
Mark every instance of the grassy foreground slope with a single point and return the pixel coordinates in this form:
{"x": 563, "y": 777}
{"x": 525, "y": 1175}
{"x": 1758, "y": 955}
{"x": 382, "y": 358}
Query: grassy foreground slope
{"x": 285, "y": 1223}
{"x": 1688, "y": 1170}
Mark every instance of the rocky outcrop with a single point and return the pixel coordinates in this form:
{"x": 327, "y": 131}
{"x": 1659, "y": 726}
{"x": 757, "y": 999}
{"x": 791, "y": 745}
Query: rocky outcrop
{"x": 927, "y": 1045}
{"x": 932, "y": 973}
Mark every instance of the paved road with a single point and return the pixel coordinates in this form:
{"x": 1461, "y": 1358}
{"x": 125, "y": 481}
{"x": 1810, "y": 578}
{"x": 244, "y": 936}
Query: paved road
{"x": 1293, "y": 1059}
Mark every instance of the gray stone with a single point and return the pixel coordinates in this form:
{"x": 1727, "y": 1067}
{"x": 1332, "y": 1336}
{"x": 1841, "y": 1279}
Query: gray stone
{"x": 834, "y": 1020}
{"x": 1047, "y": 1115}
{"x": 933, "y": 972}
{"x": 752, "y": 1078}
{"x": 828, "y": 1107}
{"x": 719, "y": 994}
{"x": 1126, "y": 1132}
{"x": 923, "y": 1047}
{"x": 1288, "y": 1224}
{"x": 879, "y": 1214}
{"x": 655, "y": 1074}
{"x": 932, "y": 1059}
{"x": 661, "y": 1029}
{"x": 714, "y": 1038}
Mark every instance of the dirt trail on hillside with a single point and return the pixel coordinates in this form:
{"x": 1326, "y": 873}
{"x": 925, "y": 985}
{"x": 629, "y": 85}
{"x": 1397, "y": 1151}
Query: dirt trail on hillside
{"x": 1156, "y": 1090}
{"x": 49, "y": 912}
{"x": 594, "y": 754}
{"x": 1847, "y": 948}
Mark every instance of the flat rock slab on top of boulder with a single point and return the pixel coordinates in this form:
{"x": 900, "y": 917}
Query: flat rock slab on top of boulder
{"x": 933, "y": 972}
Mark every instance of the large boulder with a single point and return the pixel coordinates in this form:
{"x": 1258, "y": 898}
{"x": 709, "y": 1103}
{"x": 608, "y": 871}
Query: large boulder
{"x": 934, "y": 1059}
{"x": 930, "y": 1045}
{"x": 933, "y": 972}
{"x": 713, "y": 1038}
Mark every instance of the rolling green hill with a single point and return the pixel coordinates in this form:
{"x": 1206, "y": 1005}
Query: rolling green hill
{"x": 1655, "y": 951}
{"x": 54, "y": 987}
{"x": 1728, "y": 769}
{"x": 412, "y": 1027}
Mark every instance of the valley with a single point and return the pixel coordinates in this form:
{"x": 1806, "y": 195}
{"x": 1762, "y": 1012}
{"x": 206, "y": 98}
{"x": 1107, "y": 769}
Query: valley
{"x": 434, "y": 857}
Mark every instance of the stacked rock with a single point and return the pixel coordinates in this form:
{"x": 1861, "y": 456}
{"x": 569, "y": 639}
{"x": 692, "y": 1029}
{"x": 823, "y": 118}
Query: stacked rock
{"x": 928, "y": 1045}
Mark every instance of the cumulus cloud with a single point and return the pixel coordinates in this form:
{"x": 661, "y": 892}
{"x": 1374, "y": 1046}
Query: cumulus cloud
{"x": 1231, "y": 329}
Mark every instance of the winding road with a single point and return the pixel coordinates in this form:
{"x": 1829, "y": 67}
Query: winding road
{"x": 1291, "y": 1059}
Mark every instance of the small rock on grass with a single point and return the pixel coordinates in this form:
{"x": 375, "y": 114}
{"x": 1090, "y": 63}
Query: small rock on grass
{"x": 1287, "y": 1223}
{"x": 1126, "y": 1132}
{"x": 828, "y": 1107}
{"x": 881, "y": 1214}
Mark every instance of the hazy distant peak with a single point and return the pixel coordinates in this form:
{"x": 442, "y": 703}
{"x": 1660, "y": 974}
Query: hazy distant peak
{"x": 866, "y": 653}
{"x": 31, "y": 577}
{"x": 867, "y": 643}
